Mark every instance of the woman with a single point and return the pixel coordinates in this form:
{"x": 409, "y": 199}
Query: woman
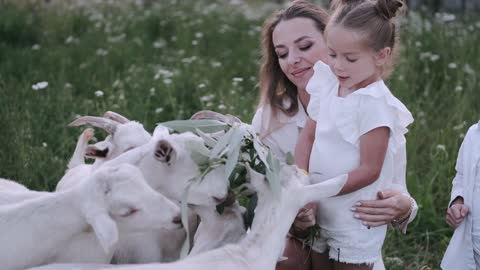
{"x": 292, "y": 41}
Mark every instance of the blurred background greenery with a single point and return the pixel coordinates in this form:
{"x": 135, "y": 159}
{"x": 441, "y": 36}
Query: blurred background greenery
{"x": 154, "y": 61}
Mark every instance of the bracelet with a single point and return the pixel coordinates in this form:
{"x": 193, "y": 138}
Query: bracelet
{"x": 397, "y": 221}
{"x": 303, "y": 171}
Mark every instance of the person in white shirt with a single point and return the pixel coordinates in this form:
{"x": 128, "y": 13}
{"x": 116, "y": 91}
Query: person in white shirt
{"x": 292, "y": 44}
{"x": 463, "y": 213}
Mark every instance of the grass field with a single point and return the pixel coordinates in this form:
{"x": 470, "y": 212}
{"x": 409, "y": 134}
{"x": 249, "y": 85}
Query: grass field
{"x": 159, "y": 62}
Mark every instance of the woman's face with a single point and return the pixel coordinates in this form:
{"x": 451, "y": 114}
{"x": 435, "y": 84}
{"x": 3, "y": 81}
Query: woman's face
{"x": 298, "y": 45}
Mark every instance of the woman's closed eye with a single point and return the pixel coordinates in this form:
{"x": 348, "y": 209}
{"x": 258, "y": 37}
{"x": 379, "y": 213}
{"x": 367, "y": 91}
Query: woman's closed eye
{"x": 351, "y": 60}
{"x": 306, "y": 47}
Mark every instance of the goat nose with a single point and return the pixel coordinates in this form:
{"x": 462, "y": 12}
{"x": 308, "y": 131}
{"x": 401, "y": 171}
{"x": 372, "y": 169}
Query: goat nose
{"x": 219, "y": 200}
{"x": 177, "y": 220}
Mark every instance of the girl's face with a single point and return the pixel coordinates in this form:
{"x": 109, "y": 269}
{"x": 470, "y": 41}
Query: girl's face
{"x": 298, "y": 45}
{"x": 354, "y": 64}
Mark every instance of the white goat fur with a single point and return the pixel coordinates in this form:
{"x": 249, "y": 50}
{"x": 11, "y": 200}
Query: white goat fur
{"x": 262, "y": 247}
{"x": 216, "y": 230}
{"x": 167, "y": 165}
{"x": 113, "y": 199}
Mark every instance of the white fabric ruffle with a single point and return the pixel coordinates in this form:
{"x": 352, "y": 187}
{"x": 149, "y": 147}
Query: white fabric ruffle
{"x": 346, "y": 117}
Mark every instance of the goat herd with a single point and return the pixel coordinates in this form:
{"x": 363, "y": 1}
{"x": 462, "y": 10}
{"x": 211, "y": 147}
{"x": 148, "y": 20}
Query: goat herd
{"x": 124, "y": 210}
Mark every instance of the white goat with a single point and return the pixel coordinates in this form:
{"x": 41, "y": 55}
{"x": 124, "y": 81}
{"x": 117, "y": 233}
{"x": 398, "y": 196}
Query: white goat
{"x": 167, "y": 165}
{"x": 124, "y": 136}
{"x": 6, "y": 184}
{"x": 113, "y": 199}
{"x": 216, "y": 230}
{"x": 262, "y": 247}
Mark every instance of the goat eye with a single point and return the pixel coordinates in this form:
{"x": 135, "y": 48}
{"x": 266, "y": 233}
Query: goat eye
{"x": 128, "y": 149}
{"x": 128, "y": 212}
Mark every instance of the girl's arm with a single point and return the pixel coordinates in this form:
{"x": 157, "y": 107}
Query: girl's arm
{"x": 373, "y": 147}
{"x": 304, "y": 144}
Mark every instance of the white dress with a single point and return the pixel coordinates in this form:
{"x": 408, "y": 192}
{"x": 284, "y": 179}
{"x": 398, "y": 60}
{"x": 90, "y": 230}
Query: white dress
{"x": 340, "y": 122}
{"x": 460, "y": 253}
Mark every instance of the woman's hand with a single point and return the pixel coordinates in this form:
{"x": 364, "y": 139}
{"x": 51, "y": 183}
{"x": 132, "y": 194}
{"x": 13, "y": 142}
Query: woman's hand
{"x": 390, "y": 205}
{"x": 456, "y": 213}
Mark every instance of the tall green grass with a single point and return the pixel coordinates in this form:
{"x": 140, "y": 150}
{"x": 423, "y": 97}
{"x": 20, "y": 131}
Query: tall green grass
{"x": 166, "y": 60}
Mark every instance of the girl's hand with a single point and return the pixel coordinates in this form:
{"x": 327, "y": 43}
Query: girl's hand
{"x": 456, "y": 213}
{"x": 390, "y": 205}
{"x": 306, "y": 217}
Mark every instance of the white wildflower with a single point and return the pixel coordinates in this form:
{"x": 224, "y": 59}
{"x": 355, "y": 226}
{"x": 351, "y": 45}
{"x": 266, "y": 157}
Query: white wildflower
{"x": 158, "y": 110}
{"x": 159, "y": 44}
{"x": 194, "y": 42}
{"x": 458, "y": 88}
{"x": 101, "y": 52}
{"x": 441, "y": 147}
{"x": 199, "y": 35}
{"x": 460, "y": 126}
{"x": 99, "y": 93}
{"x": 39, "y": 86}
{"x": 209, "y": 104}
{"x": 216, "y": 64}
{"x": 237, "y": 79}
{"x": 152, "y": 91}
{"x": 36, "y": 47}
{"x": 452, "y": 66}
{"x": 221, "y": 107}
{"x": 424, "y": 55}
{"x": 434, "y": 57}
{"x": 68, "y": 85}
{"x": 418, "y": 43}
{"x": 167, "y": 81}
{"x": 44, "y": 144}
{"x": 468, "y": 69}
{"x": 202, "y": 85}
{"x": 207, "y": 98}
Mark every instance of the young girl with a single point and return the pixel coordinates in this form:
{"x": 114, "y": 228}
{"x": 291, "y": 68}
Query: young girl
{"x": 463, "y": 213}
{"x": 357, "y": 127}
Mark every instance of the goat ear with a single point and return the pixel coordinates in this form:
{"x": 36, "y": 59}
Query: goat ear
{"x": 164, "y": 152}
{"x": 325, "y": 189}
{"x": 92, "y": 151}
{"x": 257, "y": 180}
{"x": 106, "y": 231}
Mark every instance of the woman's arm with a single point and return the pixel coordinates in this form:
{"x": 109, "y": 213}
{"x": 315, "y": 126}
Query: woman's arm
{"x": 304, "y": 144}
{"x": 373, "y": 147}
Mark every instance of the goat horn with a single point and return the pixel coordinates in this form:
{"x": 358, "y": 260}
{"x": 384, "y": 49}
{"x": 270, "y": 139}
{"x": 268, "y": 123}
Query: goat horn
{"x": 206, "y": 114}
{"x": 108, "y": 125}
{"x": 116, "y": 117}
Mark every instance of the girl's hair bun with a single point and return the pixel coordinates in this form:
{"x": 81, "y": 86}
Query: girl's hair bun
{"x": 387, "y": 9}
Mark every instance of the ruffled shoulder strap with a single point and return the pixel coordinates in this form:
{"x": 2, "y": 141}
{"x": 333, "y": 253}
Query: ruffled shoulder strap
{"x": 322, "y": 83}
{"x": 371, "y": 107}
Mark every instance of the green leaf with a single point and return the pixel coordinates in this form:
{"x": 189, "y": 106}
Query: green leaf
{"x": 290, "y": 159}
{"x": 261, "y": 151}
{"x": 209, "y": 141}
{"x": 273, "y": 173}
{"x": 232, "y": 160}
{"x": 198, "y": 152}
{"x": 221, "y": 144}
{"x": 208, "y": 126}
